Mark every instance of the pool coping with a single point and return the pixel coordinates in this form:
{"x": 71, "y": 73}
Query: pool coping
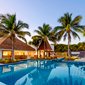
{"x": 12, "y": 63}
{"x": 73, "y": 61}
{"x": 22, "y": 61}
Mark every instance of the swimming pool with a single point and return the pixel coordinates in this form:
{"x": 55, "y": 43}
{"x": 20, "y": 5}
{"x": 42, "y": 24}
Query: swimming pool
{"x": 43, "y": 72}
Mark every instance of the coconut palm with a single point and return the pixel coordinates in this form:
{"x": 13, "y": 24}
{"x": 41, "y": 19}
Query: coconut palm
{"x": 11, "y": 28}
{"x": 69, "y": 27}
{"x": 35, "y": 42}
{"x": 43, "y": 33}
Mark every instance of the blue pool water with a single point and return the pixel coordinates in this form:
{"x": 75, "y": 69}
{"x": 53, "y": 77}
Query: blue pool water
{"x": 43, "y": 72}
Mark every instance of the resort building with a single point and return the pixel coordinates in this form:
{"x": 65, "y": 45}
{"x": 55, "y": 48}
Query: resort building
{"x": 22, "y": 50}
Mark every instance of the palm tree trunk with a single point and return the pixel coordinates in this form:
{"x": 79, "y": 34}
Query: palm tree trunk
{"x": 68, "y": 47}
{"x": 13, "y": 47}
{"x": 54, "y": 45}
{"x": 44, "y": 49}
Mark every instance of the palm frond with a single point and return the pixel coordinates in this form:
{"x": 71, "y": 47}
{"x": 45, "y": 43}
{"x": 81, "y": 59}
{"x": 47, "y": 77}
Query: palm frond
{"x": 20, "y": 33}
{"x": 35, "y": 42}
{"x": 70, "y": 17}
{"x": 82, "y": 27}
{"x": 38, "y": 32}
{"x": 62, "y": 20}
{"x": 75, "y": 35}
{"x": 76, "y": 20}
{"x": 3, "y": 16}
{"x": 36, "y": 37}
{"x": 48, "y": 29}
{"x": 3, "y": 27}
{"x": 59, "y": 28}
{"x": 4, "y": 32}
{"x": 40, "y": 29}
{"x": 65, "y": 20}
{"x": 21, "y": 25}
{"x": 27, "y": 33}
{"x": 30, "y": 42}
{"x": 60, "y": 34}
{"x": 22, "y": 38}
{"x": 77, "y": 30}
{"x": 65, "y": 35}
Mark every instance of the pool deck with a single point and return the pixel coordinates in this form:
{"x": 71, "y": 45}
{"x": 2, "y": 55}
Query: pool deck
{"x": 80, "y": 60}
{"x": 1, "y": 64}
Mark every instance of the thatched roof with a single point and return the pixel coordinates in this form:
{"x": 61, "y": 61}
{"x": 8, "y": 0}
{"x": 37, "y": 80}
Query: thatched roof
{"x": 47, "y": 46}
{"x": 6, "y": 43}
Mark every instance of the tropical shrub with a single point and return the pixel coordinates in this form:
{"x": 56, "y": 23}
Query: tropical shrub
{"x": 1, "y": 60}
{"x": 8, "y": 60}
{"x": 49, "y": 57}
{"x": 60, "y": 47}
{"x": 73, "y": 47}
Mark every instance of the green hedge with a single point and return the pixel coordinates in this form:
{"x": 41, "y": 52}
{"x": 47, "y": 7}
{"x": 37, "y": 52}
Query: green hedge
{"x": 73, "y": 47}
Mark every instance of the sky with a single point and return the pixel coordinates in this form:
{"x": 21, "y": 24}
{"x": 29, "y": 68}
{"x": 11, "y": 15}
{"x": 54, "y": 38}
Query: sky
{"x": 37, "y": 12}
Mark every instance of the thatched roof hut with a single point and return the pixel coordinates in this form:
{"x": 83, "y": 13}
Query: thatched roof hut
{"x": 47, "y": 46}
{"x": 6, "y": 43}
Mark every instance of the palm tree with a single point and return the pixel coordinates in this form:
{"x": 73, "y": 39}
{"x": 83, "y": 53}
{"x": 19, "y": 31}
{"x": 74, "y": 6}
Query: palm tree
{"x": 10, "y": 27}
{"x": 69, "y": 27}
{"x": 35, "y": 42}
{"x": 43, "y": 33}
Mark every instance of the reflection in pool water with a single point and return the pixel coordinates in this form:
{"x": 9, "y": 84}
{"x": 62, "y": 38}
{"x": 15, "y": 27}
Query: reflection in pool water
{"x": 43, "y": 72}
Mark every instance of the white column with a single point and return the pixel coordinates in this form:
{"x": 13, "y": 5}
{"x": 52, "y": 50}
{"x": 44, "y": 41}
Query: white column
{"x": 1, "y": 54}
{"x": 27, "y": 54}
